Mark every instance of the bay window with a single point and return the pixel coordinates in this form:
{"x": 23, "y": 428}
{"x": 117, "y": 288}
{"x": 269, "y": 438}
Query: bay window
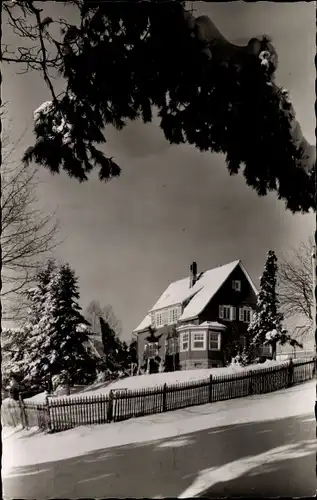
{"x": 184, "y": 341}
{"x": 214, "y": 341}
{"x": 198, "y": 341}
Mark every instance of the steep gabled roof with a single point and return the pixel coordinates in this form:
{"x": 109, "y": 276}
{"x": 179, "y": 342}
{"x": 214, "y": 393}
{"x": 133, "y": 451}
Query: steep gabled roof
{"x": 197, "y": 296}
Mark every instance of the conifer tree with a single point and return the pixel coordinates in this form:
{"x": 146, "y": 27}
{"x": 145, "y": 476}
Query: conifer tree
{"x": 112, "y": 347}
{"x": 57, "y": 346}
{"x": 161, "y": 59}
{"x": 16, "y": 342}
{"x": 266, "y": 327}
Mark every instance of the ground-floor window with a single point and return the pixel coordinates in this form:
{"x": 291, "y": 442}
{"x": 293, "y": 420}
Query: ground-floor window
{"x": 151, "y": 349}
{"x": 184, "y": 341}
{"x": 198, "y": 341}
{"x": 214, "y": 341}
{"x": 172, "y": 346}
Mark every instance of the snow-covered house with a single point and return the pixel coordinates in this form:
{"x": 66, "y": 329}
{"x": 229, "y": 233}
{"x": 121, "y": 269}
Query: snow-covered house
{"x": 191, "y": 317}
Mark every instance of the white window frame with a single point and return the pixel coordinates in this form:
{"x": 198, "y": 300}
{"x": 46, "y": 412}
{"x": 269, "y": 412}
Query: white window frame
{"x": 153, "y": 319}
{"x": 236, "y": 285}
{"x": 158, "y": 319}
{"x": 194, "y": 340}
{"x": 173, "y": 315}
{"x": 183, "y": 337}
{"x": 232, "y": 312}
{"x": 242, "y": 311}
{"x": 212, "y": 341}
{"x": 161, "y": 318}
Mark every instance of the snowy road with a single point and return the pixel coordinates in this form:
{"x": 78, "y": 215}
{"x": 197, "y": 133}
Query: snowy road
{"x": 256, "y": 446}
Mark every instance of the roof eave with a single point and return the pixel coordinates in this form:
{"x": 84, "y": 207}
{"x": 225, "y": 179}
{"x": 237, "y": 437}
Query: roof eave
{"x": 248, "y": 278}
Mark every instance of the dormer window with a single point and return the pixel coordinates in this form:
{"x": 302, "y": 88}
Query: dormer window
{"x": 236, "y": 285}
{"x": 167, "y": 316}
{"x": 159, "y": 319}
{"x": 174, "y": 314}
{"x": 228, "y": 313}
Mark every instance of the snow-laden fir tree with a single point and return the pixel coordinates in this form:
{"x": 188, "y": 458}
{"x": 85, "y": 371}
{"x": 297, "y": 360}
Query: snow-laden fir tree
{"x": 57, "y": 345}
{"x": 15, "y": 340}
{"x": 266, "y": 327}
{"x": 12, "y": 349}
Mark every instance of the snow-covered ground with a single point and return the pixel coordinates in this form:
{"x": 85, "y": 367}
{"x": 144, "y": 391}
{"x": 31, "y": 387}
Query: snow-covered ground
{"x": 159, "y": 379}
{"x": 91, "y": 454}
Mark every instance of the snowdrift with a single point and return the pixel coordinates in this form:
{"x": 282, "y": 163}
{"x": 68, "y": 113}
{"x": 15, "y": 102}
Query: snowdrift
{"x": 159, "y": 379}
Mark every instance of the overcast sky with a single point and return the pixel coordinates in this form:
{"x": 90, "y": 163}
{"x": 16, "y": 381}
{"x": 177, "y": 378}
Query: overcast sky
{"x": 128, "y": 239}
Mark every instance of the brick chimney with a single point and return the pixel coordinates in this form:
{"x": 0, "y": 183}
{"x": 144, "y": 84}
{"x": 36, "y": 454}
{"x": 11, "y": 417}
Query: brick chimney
{"x": 193, "y": 274}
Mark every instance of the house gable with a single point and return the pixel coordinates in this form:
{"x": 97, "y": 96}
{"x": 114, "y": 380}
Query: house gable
{"x": 226, "y": 295}
{"x": 196, "y": 298}
{"x": 201, "y": 300}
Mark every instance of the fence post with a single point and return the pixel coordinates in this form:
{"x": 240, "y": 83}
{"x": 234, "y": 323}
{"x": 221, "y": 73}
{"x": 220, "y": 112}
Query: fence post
{"x": 290, "y": 370}
{"x": 110, "y": 407}
{"x": 47, "y": 410}
{"x": 250, "y": 391}
{"x": 164, "y": 397}
{"x": 22, "y": 412}
{"x": 210, "y": 389}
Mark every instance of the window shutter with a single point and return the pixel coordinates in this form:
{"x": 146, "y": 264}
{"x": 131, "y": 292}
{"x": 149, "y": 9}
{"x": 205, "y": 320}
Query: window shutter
{"x": 221, "y": 312}
{"x": 234, "y": 285}
{"x": 233, "y": 313}
{"x": 241, "y": 316}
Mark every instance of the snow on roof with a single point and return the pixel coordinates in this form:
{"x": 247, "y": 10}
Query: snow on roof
{"x": 144, "y": 324}
{"x": 212, "y": 324}
{"x": 207, "y": 286}
{"x": 199, "y": 295}
{"x": 176, "y": 293}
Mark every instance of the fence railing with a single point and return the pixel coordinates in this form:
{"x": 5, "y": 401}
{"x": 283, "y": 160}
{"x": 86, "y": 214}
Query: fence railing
{"x": 64, "y": 413}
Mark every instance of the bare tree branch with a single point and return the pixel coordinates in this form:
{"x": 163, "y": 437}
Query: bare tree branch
{"x": 27, "y": 234}
{"x": 93, "y": 313}
{"x": 295, "y": 284}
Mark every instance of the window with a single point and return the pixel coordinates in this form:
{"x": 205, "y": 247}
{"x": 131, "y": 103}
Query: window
{"x": 152, "y": 349}
{"x": 167, "y": 316}
{"x": 161, "y": 318}
{"x": 198, "y": 341}
{"x": 184, "y": 341}
{"x": 153, "y": 319}
{"x": 245, "y": 314}
{"x": 171, "y": 346}
{"x": 173, "y": 315}
{"x": 227, "y": 313}
{"x": 236, "y": 285}
{"x": 214, "y": 341}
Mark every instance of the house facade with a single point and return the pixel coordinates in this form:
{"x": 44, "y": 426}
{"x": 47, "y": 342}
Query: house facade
{"x": 194, "y": 318}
